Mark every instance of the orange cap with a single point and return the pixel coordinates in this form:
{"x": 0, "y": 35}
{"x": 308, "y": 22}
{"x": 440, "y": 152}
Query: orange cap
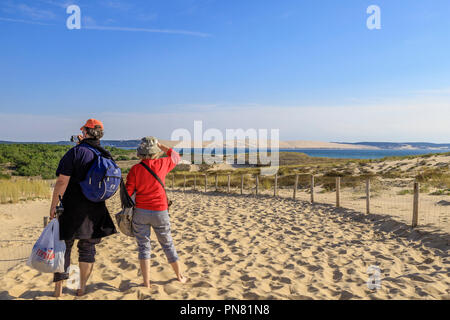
{"x": 91, "y": 123}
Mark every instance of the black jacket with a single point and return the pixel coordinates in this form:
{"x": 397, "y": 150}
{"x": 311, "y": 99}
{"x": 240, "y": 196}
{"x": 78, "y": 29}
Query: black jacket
{"x": 82, "y": 219}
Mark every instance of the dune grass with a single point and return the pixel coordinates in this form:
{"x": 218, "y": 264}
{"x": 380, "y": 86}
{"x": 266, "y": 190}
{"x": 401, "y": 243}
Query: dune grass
{"x": 14, "y": 190}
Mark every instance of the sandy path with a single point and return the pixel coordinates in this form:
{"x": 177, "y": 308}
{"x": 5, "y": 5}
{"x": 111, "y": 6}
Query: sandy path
{"x": 242, "y": 247}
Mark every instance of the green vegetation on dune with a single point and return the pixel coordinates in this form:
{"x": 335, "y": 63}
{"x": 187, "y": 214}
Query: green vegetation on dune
{"x": 42, "y": 160}
{"x": 33, "y": 160}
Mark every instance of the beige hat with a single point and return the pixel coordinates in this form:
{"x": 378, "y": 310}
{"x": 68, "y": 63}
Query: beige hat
{"x": 148, "y": 146}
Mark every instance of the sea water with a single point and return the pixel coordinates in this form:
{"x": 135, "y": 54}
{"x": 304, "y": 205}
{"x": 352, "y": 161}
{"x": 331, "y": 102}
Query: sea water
{"x": 342, "y": 153}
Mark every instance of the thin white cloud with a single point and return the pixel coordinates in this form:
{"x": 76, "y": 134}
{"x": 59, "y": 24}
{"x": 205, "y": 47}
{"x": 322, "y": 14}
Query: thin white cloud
{"x": 115, "y": 4}
{"x": 27, "y": 11}
{"x": 91, "y": 25}
{"x": 88, "y": 22}
{"x": 182, "y": 32}
{"x": 60, "y": 4}
{"x": 25, "y": 21}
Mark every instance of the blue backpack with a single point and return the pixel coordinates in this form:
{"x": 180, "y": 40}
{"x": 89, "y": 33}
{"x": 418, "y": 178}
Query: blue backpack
{"x": 102, "y": 180}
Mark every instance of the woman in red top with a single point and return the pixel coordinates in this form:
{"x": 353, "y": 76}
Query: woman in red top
{"x": 151, "y": 203}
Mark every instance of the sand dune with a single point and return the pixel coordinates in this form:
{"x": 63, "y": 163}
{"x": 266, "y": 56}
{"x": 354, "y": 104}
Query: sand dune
{"x": 293, "y": 144}
{"x": 243, "y": 247}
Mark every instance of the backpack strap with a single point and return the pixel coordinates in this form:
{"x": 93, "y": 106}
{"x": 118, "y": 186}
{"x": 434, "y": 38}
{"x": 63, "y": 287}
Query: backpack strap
{"x": 96, "y": 152}
{"x": 159, "y": 180}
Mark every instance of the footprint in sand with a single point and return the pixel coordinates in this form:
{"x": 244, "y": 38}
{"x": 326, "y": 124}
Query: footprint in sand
{"x": 190, "y": 264}
{"x": 202, "y": 284}
{"x": 108, "y": 276}
{"x": 222, "y": 292}
{"x": 124, "y": 264}
{"x": 154, "y": 263}
{"x": 282, "y": 280}
{"x": 246, "y": 278}
{"x": 250, "y": 296}
{"x": 337, "y": 275}
{"x": 170, "y": 289}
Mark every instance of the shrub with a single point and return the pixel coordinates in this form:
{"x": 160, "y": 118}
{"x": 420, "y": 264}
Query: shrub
{"x": 121, "y": 158}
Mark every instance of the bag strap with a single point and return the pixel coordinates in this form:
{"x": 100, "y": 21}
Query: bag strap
{"x": 157, "y": 178}
{"x": 125, "y": 199}
{"x": 96, "y": 152}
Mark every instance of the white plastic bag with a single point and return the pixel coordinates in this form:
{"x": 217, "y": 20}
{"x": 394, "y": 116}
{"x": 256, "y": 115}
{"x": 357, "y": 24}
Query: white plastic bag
{"x": 48, "y": 252}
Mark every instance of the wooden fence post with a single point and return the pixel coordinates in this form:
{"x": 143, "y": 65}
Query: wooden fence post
{"x": 312, "y": 188}
{"x": 257, "y": 183}
{"x": 368, "y": 196}
{"x": 295, "y": 186}
{"x": 242, "y": 184}
{"x": 184, "y": 184}
{"x": 229, "y": 182}
{"x": 216, "y": 182}
{"x": 338, "y": 192}
{"x": 415, "y": 218}
{"x": 45, "y": 221}
{"x": 206, "y": 181}
{"x": 275, "y": 185}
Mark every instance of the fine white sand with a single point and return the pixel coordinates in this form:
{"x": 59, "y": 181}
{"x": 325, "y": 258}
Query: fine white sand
{"x": 247, "y": 247}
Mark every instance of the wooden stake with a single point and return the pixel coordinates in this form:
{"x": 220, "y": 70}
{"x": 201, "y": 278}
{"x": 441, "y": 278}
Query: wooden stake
{"x": 45, "y": 221}
{"x": 295, "y": 186}
{"x": 257, "y": 183}
{"x": 338, "y": 192}
{"x": 312, "y": 188}
{"x": 229, "y": 182}
{"x": 415, "y": 219}
{"x": 368, "y": 196}
{"x": 206, "y": 181}
{"x": 216, "y": 182}
{"x": 242, "y": 184}
{"x": 184, "y": 184}
{"x": 275, "y": 185}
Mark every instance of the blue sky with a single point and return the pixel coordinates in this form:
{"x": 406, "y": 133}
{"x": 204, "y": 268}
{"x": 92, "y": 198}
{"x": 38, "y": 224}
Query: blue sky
{"x": 310, "y": 68}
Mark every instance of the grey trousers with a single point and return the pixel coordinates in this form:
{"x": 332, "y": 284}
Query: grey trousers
{"x": 143, "y": 221}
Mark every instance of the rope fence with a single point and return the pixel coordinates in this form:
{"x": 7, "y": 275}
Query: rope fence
{"x": 402, "y": 199}
{"x": 14, "y": 252}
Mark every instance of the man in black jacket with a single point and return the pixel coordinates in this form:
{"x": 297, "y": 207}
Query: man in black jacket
{"x": 82, "y": 219}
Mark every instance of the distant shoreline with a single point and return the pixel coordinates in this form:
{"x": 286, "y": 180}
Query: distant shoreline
{"x": 337, "y": 153}
{"x": 282, "y": 145}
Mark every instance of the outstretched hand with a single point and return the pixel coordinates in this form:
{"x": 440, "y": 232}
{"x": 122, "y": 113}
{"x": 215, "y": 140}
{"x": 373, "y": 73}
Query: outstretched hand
{"x": 52, "y": 213}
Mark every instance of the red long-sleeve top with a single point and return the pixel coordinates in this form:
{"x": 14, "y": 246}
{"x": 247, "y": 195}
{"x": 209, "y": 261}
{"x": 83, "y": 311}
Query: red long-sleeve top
{"x": 149, "y": 192}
